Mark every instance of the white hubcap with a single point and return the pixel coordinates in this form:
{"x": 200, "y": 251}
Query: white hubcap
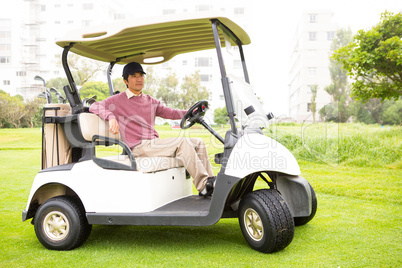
{"x": 253, "y": 224}
{"x": 56, "y": 225}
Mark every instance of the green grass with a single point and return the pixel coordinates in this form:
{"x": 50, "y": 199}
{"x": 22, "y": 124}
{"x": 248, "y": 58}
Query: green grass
{"x": 358, "y": 222}
{"x": 343, "y": 144}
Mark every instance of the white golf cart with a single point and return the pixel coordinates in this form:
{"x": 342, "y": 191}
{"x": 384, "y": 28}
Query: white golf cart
{"x": 76, "y": 188}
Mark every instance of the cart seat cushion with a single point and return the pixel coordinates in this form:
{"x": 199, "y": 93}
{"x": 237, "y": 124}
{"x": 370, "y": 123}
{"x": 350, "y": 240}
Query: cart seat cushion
{"x": 91, "y": 124}
{"x": 148, "y": 164}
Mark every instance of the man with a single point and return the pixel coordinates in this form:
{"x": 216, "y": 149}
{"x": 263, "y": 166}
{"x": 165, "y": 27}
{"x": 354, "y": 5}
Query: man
{"x": 133, "y": 113}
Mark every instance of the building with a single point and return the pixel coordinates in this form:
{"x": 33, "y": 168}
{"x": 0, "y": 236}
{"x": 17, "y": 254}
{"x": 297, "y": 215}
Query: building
{"x": 17, "y": 44}
{"x": 309, "y": 62}
{"x": 29, "y": 29}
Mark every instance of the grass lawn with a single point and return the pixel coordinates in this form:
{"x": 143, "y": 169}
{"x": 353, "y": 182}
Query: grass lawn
{"x": 358, "y": 222}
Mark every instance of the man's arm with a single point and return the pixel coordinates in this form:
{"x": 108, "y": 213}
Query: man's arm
{"x": 169, "y": 113}
{"x": 99, "y": 108}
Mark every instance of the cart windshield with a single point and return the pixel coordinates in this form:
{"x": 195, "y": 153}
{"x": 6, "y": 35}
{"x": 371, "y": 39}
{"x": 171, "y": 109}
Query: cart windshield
{"x": 247, "y": 106}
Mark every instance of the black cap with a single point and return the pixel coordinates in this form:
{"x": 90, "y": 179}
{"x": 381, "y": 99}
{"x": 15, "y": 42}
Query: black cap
{"x": 132, "y": 68}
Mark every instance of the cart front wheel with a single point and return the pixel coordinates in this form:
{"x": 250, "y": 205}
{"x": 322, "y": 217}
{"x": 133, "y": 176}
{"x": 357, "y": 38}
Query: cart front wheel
{"x": 266, "y": 221}
{"x": 60, "y": 224}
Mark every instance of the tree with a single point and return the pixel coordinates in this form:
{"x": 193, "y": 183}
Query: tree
{"x": 221, "y": 116}
{"x": 167, "y": 91}
{"x": 11, "y": 111}
{"x": 118, "y": 85}
{"x": 192, "y": 90}
{"x": 100, "y": 89}
{"x": 374, "y": 60}
{"x": 392, "y": 114}
{"x": 58, "y": 83}
{"x": 338, "y": 90}
{"x": 33, "y": 113}
{"x": 151, "y": 81}
{"x": 369, "y": 112}
{"x": 313, "y": 106}
{"x": 84, "y": 69}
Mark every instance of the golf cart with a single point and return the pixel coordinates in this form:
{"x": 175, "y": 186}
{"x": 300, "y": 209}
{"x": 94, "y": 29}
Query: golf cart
{"x": 77, "y": 188}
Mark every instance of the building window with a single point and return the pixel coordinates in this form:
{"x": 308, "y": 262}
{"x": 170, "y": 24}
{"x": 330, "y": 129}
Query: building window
{"x": 119, "y": 16}
{"x": 312, "y": 71}
{"x": 43, "y": 8}
{"x": 21, "y": 73}
{"x": 6, "y": 82}
{"x": 312, "y": 36}
{"x": 221, "y": 97}
{"x": 4, "y": 59}
{"x": 203, "y": 62}
{"x": 330, "y": 35}
{"x": 86, "y": 23}
{"x": 313, "y": 18}
{"x": 239, "y": 11}
{"x": 184, "y": 62}
{"x": 88, "y": 6}
{"x": 205, "y": 77}
{"x": 168, "y": 11}
{"x": 5, "y": 34}
{"x": 5, "y": 47}
{"x": 310, "y": 87}
{"x": 308, "y": 107}
{"x": 203, "y": 8}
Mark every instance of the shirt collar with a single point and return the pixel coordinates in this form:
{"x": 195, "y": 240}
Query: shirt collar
{"x": 131, "y": 94}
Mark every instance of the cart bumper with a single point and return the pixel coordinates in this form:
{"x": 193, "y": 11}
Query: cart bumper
{"x": 24, "y": 215}
{"x": 297, "y": 194}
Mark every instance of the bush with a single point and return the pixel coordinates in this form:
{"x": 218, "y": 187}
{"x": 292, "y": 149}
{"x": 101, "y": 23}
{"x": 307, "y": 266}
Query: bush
{"x": 348, "y": 144}
{"x": 221, "y": 116}
{"x": 15, "y": 113}
{"x": 393, "y": 114}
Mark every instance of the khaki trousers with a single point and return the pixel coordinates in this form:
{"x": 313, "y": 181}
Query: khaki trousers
{"x": 190, "y": 151}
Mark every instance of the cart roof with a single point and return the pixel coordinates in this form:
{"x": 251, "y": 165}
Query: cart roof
{"x": 138, "y": 40}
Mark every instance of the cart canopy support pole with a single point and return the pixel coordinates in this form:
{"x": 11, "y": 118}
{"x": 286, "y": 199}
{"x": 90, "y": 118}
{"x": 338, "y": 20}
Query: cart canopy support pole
{"x": 225, "y": 83}
{"x": 71, "y": 91}
{"x": 67, "y": 69}
{"x": 109, "y": 77}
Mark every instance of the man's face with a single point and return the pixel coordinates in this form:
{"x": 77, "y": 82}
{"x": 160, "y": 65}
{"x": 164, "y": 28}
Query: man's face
{"x": 135, "y": 82}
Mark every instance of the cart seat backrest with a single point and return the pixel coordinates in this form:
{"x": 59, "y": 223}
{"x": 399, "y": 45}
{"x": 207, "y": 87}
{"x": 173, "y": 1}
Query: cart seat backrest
{"x": 91, "y": 124}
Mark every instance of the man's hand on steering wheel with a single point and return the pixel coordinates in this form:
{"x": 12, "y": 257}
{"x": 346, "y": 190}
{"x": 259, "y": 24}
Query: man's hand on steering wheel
{"x": 194, "y": 114}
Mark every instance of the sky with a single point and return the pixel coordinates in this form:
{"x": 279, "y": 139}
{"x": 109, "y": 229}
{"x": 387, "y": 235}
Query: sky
{"x": 272, "y": 25}
{"x": 279, "y": 19}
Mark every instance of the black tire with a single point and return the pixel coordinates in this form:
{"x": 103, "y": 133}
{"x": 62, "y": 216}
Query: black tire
{"x": 265, "y": 221}
{"x": 304, "y": 220}
{"x": 60, "y": 224}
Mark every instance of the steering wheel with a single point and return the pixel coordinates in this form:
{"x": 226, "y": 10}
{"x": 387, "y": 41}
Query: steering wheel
{"x": 194, "y": 114}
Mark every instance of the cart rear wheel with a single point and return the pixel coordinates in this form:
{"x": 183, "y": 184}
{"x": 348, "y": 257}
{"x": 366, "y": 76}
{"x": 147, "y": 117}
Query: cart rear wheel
{"x": 60, "y": 224}
{"x": 266, "y": 221}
